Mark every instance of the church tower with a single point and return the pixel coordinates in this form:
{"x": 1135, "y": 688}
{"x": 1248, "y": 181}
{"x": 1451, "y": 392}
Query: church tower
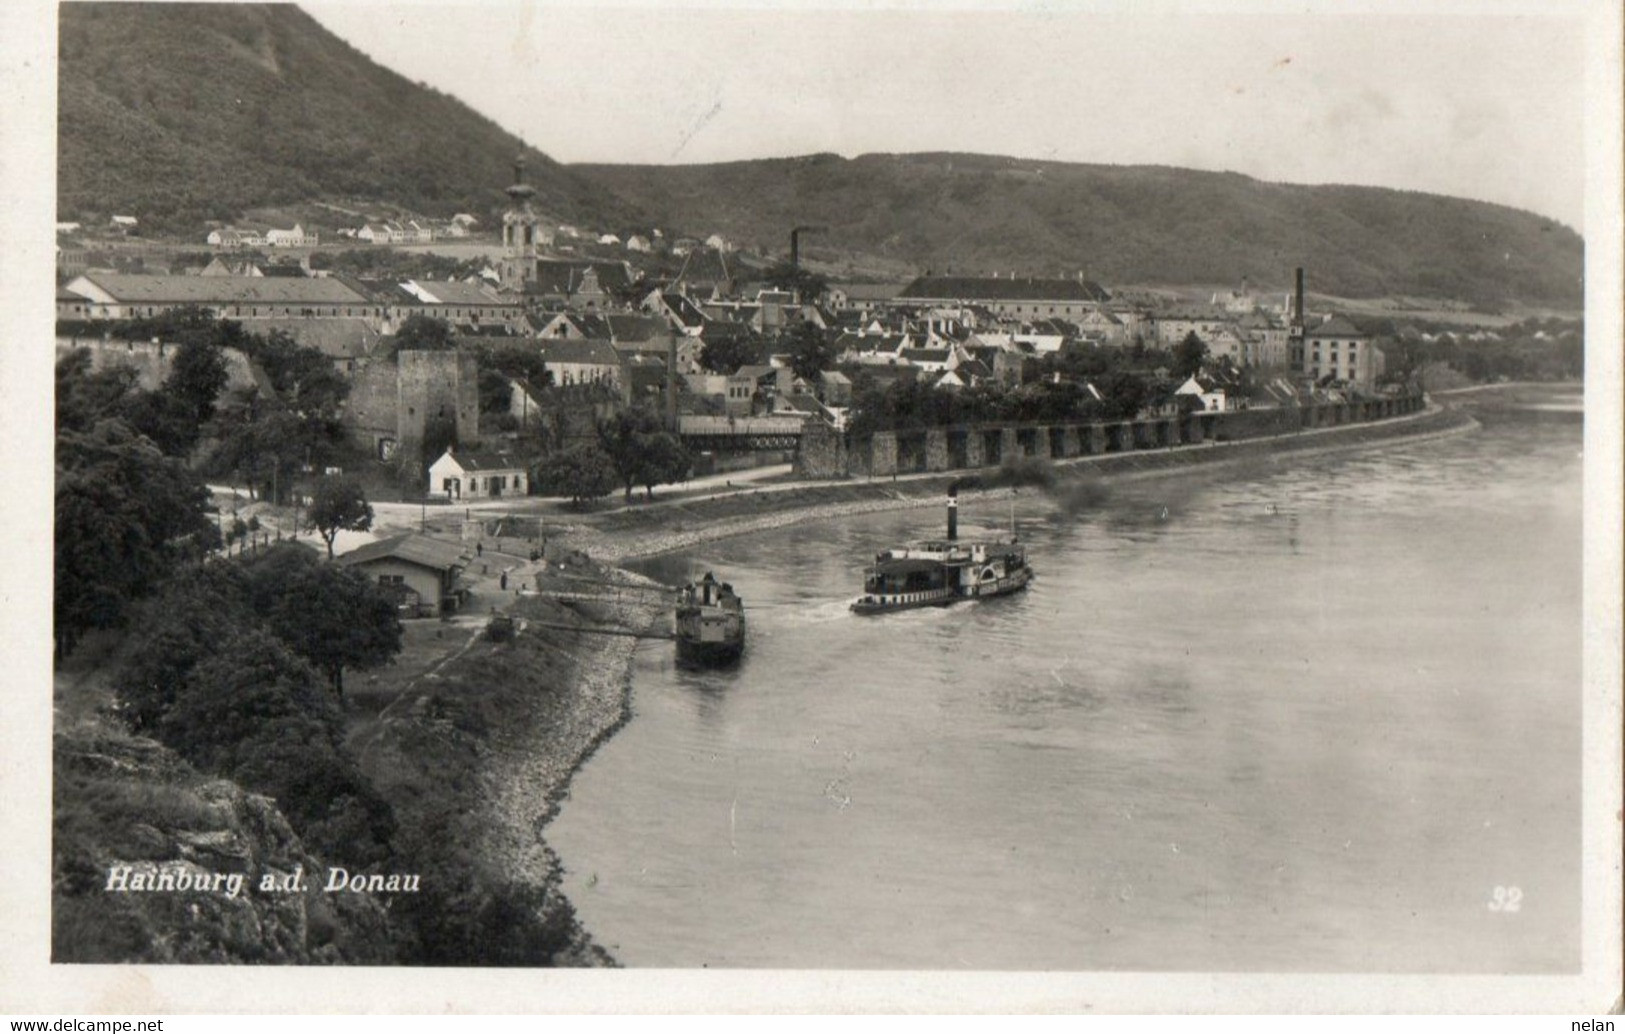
{"x": 523, "y": 236}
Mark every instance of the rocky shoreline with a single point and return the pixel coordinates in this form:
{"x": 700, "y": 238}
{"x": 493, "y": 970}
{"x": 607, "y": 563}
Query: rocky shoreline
{"x": 529, "y": 777}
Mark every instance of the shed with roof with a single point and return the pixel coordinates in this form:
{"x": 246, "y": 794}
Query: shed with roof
{"x": 420, "y": 572}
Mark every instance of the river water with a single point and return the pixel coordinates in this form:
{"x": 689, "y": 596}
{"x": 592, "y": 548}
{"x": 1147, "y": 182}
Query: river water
{"x": 1320, "y": 714}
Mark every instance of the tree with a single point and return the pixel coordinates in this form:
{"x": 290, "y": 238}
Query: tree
{"x": 727, "y": 353}
{"x": 1188, "y": 356}
{"x": 496, "y": 393}
{"x": 579, "y": 473}
{"x": 1125, "y": 395}
{"x": 338, "y": 504}
{"x": 195, "y": 615}
{"x": 331, "y": 616}
{"x": 83, "y": 396}
{"x": 262, "y": 441}
{"x": 255, "y": 713}
{"x": 621, "y": 437}
{"x": 165, "y": 418}
{"x": 811, "y": 351}
{"x": 665, "y": 462}
{"x": 427, "y": 333}
{"x": 126, "y": 516}
{"x": 197, "y": 378}
{"x": 642, "y": 451}
{"x": 303, "y": 378}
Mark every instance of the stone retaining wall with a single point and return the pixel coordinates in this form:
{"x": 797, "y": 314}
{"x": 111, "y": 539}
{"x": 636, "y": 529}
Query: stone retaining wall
{"x": 827, "y": 454}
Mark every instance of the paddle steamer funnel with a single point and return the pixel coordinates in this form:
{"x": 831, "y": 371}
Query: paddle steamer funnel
{"x": 953, "y": 512}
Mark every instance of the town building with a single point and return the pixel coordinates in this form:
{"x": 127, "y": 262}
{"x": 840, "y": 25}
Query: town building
{"x": 420, "y": 573}
{"x": 1172, "y": 327}
{"x": 457, "y": 302}
{"x": 472, "y": 474}
{"x": 134, "y": 295}
{"x": 752, "y": 389}
{"x": 1031, "y": 297}
{"x": 1211, "y": 395}
{"x": 574, "y": 361}
{"x": 1340, "y": 350}
{"x": 297, "y": 237}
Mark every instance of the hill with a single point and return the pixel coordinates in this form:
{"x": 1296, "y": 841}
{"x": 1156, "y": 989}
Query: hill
{"x": 179, "y": 113}
{"x": 176, "y": 113}
{"x": 974, "y": 214}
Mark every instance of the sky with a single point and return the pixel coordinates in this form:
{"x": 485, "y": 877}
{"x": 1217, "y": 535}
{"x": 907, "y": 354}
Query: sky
{"x": 1486, "y": 104}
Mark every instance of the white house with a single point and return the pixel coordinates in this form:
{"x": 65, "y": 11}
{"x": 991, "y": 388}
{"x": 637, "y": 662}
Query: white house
{"x": 608, "y": 238}
{"x": 1211, "y": 396}
{"x": 1042, "y": 343}
{"x": 638, "y": 242}
{"x": 476, "y": 475}
{"x": 294, "y": 238}
{"x": 575, "y": 361}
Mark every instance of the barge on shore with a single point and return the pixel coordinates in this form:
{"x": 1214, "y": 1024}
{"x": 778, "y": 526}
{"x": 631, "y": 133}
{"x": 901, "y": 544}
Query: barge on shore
{"x": 937, "y": 572}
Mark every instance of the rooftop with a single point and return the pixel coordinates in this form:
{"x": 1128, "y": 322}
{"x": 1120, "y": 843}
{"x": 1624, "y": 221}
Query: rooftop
{"x": 994, "y": 288}
{"x": 412, "y": 548}
{"x": 224, "y": 290}
{"x": 589, "y": 351}
{"x": 478, "y": 459}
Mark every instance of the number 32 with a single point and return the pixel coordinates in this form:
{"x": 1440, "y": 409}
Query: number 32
{"x": 1506, "y": 899}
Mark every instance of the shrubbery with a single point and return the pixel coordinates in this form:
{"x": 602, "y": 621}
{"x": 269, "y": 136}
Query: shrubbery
{"x": 227, "y": 668}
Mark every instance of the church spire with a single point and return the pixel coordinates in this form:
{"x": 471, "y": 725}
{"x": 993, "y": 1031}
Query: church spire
{"x": 520, "y": 192}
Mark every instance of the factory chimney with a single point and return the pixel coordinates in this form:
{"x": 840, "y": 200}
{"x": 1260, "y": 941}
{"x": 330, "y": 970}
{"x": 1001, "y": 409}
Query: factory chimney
{"x": 1297, "y": 300}
{"x": 953, "y": 512}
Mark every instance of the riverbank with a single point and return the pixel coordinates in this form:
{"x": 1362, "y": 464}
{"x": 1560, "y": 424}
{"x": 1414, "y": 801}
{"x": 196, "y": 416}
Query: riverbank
{"x": 477, "y": 753}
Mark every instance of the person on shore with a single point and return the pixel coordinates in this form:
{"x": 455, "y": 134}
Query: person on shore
{"x": 479, "y": 549}
{"x": 504, "y": 580}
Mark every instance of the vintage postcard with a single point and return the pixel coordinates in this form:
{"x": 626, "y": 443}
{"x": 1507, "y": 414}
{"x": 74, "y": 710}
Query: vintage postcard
{"x": 813, "y": 506}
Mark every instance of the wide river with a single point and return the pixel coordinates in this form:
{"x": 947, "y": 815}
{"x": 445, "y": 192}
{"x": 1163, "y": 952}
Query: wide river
{"x": 1317, "y": 714}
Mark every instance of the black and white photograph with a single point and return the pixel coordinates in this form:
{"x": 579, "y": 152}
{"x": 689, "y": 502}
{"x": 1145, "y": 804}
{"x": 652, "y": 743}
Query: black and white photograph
{"x": 817, "y": 506}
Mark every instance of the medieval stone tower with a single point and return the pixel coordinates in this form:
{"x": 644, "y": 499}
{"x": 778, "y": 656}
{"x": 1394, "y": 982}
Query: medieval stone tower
{"x": 436, "y": 385}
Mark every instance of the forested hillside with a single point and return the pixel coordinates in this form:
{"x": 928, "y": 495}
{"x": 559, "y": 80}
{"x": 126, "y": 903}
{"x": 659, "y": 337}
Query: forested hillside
{"x": 176, "y": 113}
{"x": 1120, "y": 224}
